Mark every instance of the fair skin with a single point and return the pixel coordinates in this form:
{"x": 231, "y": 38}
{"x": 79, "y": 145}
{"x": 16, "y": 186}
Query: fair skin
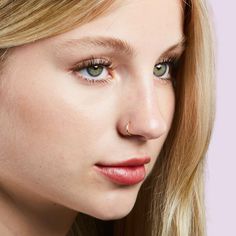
{"x": 55, "y": 126}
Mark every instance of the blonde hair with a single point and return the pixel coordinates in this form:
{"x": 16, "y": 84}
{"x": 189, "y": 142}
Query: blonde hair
{"x": 171, "y": 200}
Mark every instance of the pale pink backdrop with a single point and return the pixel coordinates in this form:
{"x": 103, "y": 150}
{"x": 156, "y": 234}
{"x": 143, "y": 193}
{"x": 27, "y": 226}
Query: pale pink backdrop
{"x": 221, "y": 163}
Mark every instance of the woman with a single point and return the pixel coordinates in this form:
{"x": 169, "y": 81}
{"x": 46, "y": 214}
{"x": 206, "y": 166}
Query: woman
{"x": 107, "y": 109}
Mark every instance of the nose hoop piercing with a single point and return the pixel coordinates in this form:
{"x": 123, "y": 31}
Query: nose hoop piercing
{"x": 127, "y": 129}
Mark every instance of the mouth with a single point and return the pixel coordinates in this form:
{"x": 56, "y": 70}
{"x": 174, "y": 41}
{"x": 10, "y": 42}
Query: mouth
{"x": 128, "y": 172}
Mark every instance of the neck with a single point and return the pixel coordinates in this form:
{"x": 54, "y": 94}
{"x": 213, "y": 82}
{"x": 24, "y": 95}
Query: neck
{"x": 25, "y": 213}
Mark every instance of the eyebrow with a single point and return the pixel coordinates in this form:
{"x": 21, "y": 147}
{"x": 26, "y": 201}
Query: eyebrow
{"x": 116, "y": 44}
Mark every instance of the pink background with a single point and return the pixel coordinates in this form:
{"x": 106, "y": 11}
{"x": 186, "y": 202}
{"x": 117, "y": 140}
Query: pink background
{"x": 221, "y": 163}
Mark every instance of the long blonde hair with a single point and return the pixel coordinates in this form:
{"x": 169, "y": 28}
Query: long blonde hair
{"x": 171, "y": 200}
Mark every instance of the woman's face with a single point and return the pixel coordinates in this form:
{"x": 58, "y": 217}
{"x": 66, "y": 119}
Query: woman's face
{"x": 55, "y": 125}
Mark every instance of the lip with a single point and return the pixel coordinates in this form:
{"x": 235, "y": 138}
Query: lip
{"x": 128, "y": 175}
{"x": 130, "y": 162}
{"x": 128, "y": 172}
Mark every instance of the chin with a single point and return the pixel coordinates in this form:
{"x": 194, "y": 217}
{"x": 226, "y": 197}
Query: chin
{"x": 113, "y": 212}
{"x": 111, "y": 215}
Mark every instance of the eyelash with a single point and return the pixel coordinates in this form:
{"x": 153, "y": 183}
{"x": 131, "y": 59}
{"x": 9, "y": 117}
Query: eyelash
{"x": 94, "y": 62}
{"x": 171, "y": 61}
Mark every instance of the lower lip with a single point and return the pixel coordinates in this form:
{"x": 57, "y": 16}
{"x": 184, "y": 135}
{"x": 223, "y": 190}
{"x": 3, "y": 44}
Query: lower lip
{"x": 127, "y": 175}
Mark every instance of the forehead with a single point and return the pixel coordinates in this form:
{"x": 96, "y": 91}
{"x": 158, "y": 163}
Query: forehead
{"x": 139, "y": 22}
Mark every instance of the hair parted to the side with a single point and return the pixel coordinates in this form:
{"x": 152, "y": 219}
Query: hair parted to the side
{"x": 171, "y": 200}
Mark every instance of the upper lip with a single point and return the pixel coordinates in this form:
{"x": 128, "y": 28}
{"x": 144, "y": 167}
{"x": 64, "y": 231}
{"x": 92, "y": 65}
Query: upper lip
{"x": 137, "y": 161}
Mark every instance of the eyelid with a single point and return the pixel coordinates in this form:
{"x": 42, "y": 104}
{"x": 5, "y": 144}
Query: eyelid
{"x": 172, "y": 56}
{"x": 93, "y": 61}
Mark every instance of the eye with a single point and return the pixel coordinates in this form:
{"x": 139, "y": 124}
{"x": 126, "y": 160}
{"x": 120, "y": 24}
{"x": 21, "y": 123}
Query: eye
{"x": 94, "y": 70}
{"x": 162, "y": 70}
{"x": 167, "y": 68}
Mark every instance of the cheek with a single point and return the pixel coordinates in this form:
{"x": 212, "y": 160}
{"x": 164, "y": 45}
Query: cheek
{"x": 166, "y": 103}
{"x": 49, "y": 134}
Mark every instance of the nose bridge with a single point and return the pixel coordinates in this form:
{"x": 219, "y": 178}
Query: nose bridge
{"x": 147, "y": 107}
{"x": 144, "y": 99}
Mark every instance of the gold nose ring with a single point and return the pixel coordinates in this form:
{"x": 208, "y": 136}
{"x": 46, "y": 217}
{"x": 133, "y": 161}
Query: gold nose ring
{"x": 127, "y": 129}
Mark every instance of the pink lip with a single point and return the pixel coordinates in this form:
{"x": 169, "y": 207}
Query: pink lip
{"x": 127, "y": 172}
{"x": 130, "y": 162}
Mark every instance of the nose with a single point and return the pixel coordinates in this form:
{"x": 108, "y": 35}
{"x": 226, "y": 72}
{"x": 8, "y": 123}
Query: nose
{"x": 143, "y": 114}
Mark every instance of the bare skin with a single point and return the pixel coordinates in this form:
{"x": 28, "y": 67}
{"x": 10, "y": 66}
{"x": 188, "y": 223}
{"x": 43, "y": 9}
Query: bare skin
{"x": 55, "y": 126}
